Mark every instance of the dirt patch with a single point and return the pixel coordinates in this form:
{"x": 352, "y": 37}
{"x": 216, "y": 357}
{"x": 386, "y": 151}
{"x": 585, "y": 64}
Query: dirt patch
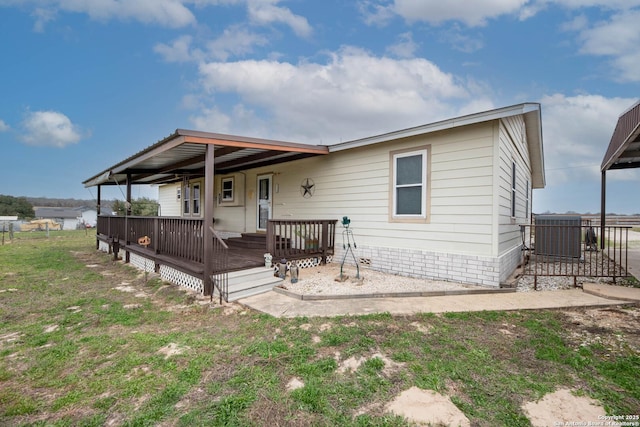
{"x": 563, "y": 408}
{"x": 426, "y": 407}
{"x": 172, "y": 349}
{"x": 616, "y": 329}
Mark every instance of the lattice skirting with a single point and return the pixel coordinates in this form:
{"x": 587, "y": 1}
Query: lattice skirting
{"x": 309, "y": 262}
{"x": 142, "y": 263}
{"x": 167, "y": 273}
{"x": 180, "y": 278}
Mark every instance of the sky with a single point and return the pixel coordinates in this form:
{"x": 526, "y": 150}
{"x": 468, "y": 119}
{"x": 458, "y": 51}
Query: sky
{"x": 85, "y": 84}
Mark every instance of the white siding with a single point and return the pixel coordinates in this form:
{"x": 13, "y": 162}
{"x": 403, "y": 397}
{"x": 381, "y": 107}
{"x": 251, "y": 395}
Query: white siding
{"x": 355, "y": 183}
{"x": 167, "y": 197}
{"x": 512, "y": 148}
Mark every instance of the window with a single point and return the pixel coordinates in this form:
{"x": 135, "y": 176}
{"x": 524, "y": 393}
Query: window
{"x": 409, "y": 171}
{"x": 186, "y": 201}
{"x": 196, "y": 199}
{"x": 513, "y": 189}
{"x": 227, "y": 189}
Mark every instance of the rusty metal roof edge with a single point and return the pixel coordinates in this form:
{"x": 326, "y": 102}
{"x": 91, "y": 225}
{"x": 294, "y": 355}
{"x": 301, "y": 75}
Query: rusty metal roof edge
{"x": 621, "y": 137}
{"x": 178, "y": 134}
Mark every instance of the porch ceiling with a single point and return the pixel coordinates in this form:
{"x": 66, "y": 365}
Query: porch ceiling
{"x": 183, "y": 154}
{"x": 624, "y": 149}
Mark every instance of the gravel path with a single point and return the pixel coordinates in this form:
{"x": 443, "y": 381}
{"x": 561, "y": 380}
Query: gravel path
{"x": 321, "y": 281}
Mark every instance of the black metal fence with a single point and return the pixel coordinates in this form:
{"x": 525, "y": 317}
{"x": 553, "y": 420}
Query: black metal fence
{"x": 575, "y": 250}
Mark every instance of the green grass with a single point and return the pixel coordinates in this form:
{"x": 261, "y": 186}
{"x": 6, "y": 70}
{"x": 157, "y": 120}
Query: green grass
{"x": 75, "y": 351}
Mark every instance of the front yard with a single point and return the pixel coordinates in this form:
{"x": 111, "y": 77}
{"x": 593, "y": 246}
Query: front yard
{"x": 85, "y": 341}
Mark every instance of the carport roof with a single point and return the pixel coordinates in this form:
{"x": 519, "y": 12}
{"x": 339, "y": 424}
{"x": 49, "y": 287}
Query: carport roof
{"x": 183, "y": 154}
{"x": 624, "y": 149}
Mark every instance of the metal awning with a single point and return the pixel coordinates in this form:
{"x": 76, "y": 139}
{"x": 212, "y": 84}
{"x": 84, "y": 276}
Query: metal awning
{"x": 182, "y": 154}
{"x": 624, "y": 149}
{"x": 623, "y": 153}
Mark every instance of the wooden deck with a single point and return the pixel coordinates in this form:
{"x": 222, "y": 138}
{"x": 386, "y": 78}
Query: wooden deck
{"x": 179, "y": 243}
{"x": 244, "y": 258}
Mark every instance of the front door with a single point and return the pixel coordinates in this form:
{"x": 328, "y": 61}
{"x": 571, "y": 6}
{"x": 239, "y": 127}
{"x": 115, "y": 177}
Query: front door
{"x": 265, "y": 201}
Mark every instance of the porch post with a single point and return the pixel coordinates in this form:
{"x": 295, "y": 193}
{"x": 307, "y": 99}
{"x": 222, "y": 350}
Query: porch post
{"x": 127, "y": 255}
{"x": 603, "y": 198}
{"x": 98, "y": 202}
{"x": 209, "y": 194}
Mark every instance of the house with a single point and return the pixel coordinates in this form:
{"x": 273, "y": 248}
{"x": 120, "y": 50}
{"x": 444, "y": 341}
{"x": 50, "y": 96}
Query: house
{"x": 441, "y": 201}
{"x": 69, "y": 218}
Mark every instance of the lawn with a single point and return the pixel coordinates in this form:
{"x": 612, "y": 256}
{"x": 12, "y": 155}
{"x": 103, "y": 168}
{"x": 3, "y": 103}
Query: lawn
{"x": 86, "y": 341}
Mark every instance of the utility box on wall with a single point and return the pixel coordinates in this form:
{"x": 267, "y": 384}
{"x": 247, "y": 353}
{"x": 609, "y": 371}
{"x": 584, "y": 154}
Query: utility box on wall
{"x": 558, "y": 235}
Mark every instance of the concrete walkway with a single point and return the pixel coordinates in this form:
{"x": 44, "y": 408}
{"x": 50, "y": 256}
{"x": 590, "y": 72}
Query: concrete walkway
{"x": 593, "y": 295}
{"x": 633, "y": 262}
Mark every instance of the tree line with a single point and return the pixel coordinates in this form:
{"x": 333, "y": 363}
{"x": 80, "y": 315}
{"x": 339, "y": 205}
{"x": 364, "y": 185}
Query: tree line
{"x": 23, "y": 207}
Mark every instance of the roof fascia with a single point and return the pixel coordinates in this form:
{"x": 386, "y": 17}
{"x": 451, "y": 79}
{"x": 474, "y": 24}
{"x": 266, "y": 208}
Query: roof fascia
{"x": 257, "y": 144}
{"x": 438, "y": 126}
{"x": 166, "y": 144}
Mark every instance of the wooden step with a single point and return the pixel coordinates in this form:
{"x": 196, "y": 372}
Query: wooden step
{"x": 241, "y": 242}
{"x": 256, "y": 241}
{"x": 245, "y": 283}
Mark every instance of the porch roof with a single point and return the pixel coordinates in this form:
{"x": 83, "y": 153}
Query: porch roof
{"x": 624, "y": 148}
{"x": 183, "y": 154}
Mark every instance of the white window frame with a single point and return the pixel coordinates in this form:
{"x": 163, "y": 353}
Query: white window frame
{"x": 230, "y": 198}
{"x": 423, "y": 215}
{"x": 195, "y": 198}
{"x": 186, "y": 201}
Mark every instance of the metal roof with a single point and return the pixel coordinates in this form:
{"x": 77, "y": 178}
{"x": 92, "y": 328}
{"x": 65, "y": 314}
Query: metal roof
{"x": 183, "y": 154}
{"x": 624, "y": 148}
{"x": 533, "y": 124}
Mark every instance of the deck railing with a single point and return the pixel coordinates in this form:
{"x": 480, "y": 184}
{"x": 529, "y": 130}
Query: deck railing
{"x": 220, "y": 277}
{"x": 575, "y": 251}
{"x": 175, "y": 237}
{"x": 296, "y": 239}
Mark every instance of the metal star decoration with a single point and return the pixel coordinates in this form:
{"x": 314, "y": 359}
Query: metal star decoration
{"x": 307, "y": 188}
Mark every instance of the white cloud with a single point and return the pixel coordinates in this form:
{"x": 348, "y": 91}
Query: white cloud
{"x": 50, "y": 129}
{"x": 235, "y": 41}
{"x": 179, "y": 50}
{"x": 3, "y": 126}
{"x": 265, "y": 12}
{"x": 472, "y": 13}
{"x": 577, "y": 131}
{"x": 618, "y": 38}
{"x": 42, "y": 17}
{"x": 405, "y": 47}
{"x": 353, "y": 94}
{"x": 168, "y": 13}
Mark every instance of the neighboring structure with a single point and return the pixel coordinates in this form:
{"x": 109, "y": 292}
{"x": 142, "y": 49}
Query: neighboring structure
{"x": 69, "y": 218}
{"x": 441, "y": 201}
{"x": 623, "y": 151}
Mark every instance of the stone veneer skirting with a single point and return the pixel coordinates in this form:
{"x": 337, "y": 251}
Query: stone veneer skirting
{"x": 470, "y": 269}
